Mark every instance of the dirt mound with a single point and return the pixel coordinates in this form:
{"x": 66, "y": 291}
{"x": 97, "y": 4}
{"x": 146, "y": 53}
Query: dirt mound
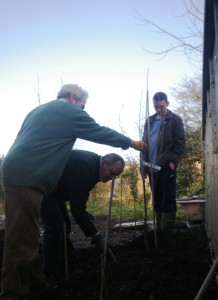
{"x": 175, "y": 270}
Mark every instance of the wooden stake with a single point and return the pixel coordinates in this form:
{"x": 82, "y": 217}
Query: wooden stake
{"x": 65, "y": 251}
{"x": 145, "y": 216}
{"x": 104, "y": 256}
{"x": 151, "y": 176}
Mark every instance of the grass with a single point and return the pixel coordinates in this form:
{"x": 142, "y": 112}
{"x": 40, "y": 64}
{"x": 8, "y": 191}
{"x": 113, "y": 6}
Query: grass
{"x": 116, "y": 211}
{"x": 127, "y": 212}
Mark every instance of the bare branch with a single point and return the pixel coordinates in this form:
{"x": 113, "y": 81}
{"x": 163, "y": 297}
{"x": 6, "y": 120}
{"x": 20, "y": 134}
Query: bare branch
{"x": 37, "y": 91}
{"x": 191, "y": 43}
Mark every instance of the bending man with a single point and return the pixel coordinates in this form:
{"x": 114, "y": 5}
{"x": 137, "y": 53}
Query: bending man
{"x": 82, "y": 172}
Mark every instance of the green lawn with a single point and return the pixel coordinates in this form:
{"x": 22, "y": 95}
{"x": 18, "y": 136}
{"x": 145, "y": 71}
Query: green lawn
{"x": 126, "y": 212}
{"x": 116, "y": 211}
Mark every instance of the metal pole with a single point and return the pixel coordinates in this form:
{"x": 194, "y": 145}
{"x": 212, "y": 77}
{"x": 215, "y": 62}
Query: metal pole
{"x": 207, "y": 280}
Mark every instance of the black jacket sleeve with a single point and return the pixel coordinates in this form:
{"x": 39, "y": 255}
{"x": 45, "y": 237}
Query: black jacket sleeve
{"x": 78, "y": 209}
{"x": 79, "y": 178}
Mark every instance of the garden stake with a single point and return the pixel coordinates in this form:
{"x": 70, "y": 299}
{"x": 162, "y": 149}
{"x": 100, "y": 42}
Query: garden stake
{"x": 134, "y": 202}
{"x": 121, "y": 204}
{"x": 154, "y": 214}
{"x": 149, "y": 154}
{"x": 145, "y": 214}
{"x": 104, "y": 256}
{"x": 65, "y": 251}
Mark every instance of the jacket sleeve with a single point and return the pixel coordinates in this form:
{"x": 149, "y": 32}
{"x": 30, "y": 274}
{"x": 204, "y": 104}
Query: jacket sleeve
{"x": 89, "y": 130}
{"x": 179, "y": 140}
{"x": 81, "y": 216}
{"x": 78, "y": 195}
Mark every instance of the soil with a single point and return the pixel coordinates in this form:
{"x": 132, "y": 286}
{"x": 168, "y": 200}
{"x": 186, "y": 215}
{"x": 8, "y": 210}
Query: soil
{"x": 172, "y": 266}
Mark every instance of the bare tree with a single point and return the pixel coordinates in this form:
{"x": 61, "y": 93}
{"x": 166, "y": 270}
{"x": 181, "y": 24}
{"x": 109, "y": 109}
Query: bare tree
{"x": 188, "y": 91}
{"x": 188, "y": 96}
{"x": 191, "y": 43}
{"x": 37, "y": 90}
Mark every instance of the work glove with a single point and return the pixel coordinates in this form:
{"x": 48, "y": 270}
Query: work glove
{"x": 138, "y": 145}
{"x": 99, "y": 242}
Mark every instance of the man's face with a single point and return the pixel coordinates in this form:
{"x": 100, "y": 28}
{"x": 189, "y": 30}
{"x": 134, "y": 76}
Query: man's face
{"x": 77, "y": 101}
{"x": 161, "y": 107}
{"x": 81, "y": 104}
{"x": 108, "y": 171}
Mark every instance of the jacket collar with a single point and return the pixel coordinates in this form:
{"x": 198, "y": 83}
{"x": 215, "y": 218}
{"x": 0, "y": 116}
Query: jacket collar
{"x": 169, "y": 115}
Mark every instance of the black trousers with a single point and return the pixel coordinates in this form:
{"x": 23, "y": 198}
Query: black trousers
{"x": 53, "y": 215}
{"x": 164, "y": 188}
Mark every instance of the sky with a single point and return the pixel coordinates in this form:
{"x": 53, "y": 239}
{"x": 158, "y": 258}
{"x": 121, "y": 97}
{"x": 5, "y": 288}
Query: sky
{"x": 96, "y": 44}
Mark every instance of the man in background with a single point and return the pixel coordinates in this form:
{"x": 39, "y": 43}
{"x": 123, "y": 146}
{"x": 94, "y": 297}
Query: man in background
{"x": 82, "y": 172}
{"x": 165, "y": 136}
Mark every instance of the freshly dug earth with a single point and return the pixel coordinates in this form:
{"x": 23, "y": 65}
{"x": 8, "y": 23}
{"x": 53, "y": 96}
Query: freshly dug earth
{"x": 173, "y": 268}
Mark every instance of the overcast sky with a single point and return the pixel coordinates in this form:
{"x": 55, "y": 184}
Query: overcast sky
{"x": 96, "y": 44}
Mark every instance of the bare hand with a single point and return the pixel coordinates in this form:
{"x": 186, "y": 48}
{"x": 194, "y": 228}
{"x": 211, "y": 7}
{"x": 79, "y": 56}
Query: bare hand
{"x": 172, "y": 165}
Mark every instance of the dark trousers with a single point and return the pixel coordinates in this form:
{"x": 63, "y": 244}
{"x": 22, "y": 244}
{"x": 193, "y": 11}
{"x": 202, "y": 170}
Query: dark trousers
{"x": 22, "y": 274}
{"x": 53, "y": 216}
{"x": 164, "y": 188}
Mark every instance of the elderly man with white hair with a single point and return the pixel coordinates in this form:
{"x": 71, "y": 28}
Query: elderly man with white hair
{"x": 31, "y": 170}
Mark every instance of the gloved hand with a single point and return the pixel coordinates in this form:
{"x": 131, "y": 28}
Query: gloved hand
{"x": 99, "y": 242}
{"x": 139, "y": 145}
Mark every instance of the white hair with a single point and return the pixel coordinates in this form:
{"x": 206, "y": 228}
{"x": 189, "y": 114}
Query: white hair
{"x": 68, "y": 90}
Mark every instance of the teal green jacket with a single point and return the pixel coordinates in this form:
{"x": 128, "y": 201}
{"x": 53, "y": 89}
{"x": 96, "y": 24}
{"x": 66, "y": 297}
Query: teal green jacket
{"x": 43, "y": 145}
